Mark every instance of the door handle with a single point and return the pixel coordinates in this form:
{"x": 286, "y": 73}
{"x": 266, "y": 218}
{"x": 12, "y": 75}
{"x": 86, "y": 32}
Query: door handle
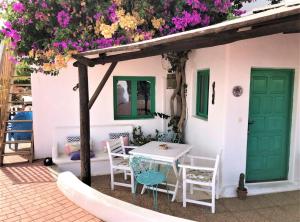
{"x": 251, "y": 122}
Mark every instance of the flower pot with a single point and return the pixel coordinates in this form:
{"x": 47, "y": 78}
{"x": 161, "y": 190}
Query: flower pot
{"x": 242, "y": 194}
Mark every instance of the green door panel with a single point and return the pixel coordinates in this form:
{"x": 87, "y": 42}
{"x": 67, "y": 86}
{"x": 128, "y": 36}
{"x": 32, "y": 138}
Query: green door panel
{"x": 269, "y": 124}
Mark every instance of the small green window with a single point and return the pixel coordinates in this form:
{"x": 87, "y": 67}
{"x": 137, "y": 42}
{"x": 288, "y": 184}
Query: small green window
{"x": 134, "y": 97}
{"x": 202, "y": 93}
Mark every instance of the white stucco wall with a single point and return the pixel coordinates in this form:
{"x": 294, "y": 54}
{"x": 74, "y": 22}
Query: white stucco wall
{"x": 227, "y": 123}
{"x": 278, "y": 51}
{"x": 207, "y": 135}
{"x": 57, "y": 105}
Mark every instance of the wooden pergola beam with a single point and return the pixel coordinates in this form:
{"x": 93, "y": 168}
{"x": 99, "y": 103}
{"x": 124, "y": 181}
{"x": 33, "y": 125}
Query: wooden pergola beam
{"x": 102, "y": 84}
{"x": 83, "y": 60}
{"x": 285, "y": 26}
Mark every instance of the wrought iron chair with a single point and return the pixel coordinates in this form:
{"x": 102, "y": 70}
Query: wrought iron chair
{"x": 150, "y": 174}
{"x": 169, "y": 137}
{"x": 119, "y": 161}
{"x": 201, "y": 178}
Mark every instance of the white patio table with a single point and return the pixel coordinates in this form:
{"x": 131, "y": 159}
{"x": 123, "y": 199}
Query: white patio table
{"x": 170, "y": 156}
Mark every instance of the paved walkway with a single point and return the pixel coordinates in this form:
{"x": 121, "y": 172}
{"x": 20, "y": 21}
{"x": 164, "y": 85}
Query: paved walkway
{"x": 276, "y": 207}
{"x": 28, "y": 192}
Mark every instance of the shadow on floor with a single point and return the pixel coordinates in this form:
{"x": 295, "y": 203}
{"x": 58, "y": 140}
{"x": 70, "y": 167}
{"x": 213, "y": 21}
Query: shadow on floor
{"x": 22, "y": 173}
{"x": 281, "y": 207}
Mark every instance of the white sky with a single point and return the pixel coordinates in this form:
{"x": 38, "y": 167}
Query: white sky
{"x": 255, "y": 4}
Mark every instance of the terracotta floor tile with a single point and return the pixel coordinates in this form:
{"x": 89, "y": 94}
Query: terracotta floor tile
{"x": 28, "y": 193}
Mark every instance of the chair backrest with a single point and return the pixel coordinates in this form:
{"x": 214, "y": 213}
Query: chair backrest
{"x": 216, "y": 165}
{"x": 115, "y": 146}
{"x": 140, "y": 164}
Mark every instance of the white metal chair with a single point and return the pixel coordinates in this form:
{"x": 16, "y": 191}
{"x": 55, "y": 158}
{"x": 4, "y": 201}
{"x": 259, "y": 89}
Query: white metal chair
{"x": 201, "y": 178}
{"x": 119, "y": 161}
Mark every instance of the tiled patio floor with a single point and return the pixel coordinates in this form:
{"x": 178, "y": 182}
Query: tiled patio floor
{"x": 28, "y": 192}
{"x": 277, "y": 207}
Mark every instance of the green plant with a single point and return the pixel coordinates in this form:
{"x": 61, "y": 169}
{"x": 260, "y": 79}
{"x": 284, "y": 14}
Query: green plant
{"x": 138, "y": 137}
{"x": 173, "y": 127}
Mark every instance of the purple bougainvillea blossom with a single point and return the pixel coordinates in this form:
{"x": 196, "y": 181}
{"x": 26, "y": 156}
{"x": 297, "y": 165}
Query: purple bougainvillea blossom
{"x": 18, "y": 7}
{"x": 44, "y": 4}
{"x": 97, "y": 16}
{"x": 205, "y": 21}
{"x": 196, "y": 4}
{"x": 14, "y": 35}
{"x": 238, "y": 12}
{"x": 63, "y": 19}
{"x": 41, "y": 16}
{"x": 111, "y": 11}
{"x": 13, "y": 60}
{"x": 186, "y": 20}
{"x": 222, "y": 6}
{"x": 3, "y": 4}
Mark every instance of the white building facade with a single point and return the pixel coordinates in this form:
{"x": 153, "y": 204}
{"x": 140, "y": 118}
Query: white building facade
{"x": 226, "y": 125}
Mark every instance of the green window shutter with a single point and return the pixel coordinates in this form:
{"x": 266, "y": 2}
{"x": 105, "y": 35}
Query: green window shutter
{"x": 134, "y": 97}
{"x": 202, "y": 93}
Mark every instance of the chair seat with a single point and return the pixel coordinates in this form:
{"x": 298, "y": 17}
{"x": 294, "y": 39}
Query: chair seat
{"x": 150, "y": 178}
{"x": 122, "y": 163}
{"x": 200, "y": 175}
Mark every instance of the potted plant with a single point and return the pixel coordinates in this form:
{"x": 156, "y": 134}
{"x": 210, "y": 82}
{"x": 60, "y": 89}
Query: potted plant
{"x": 242, "y": 190}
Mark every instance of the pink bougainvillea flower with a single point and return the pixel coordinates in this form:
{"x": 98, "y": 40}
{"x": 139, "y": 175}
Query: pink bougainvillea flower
{"x": 186, "y": 20}
{"x": 111, "y": 11}
{"x": 13, "y": 60}
{"x": 18, "y": 7}
{"x": 8, "y": 25}
{"x": 97, "y": 16}
{"x": 63, "y": 19}
{"x": 41, "y": 16}
{"x": 238, "y": 12}
{"x": 3, "y": 4}
{"x": 44, "y": 4}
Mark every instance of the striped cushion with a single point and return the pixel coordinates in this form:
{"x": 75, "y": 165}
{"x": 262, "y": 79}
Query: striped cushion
{"x": 72, "y": 139}
{"x": 115, "y": 146}
{"x": 118, "y": 135}
{"x": 76, "y": 140}
{"x": 200, "y": 175}
{"x": 123, "y": 163}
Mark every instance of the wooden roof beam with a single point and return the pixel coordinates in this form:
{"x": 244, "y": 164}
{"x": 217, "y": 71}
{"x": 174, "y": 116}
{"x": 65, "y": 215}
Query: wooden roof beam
{"x": 83, "y": 60}
{"x": 206, "y": 41}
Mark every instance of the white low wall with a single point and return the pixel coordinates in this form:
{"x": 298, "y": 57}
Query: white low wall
{"x": 107, "y": 208}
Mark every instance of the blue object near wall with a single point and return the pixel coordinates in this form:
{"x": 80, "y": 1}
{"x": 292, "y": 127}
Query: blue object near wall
{"x": 21, "y": 126}
{"x": 76, "y": 155}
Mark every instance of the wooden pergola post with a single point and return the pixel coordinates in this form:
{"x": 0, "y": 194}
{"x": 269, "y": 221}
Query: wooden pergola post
{"x": 84, "y": 124}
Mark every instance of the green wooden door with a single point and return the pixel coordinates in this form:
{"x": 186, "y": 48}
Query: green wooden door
{"x": 269, "y": 124}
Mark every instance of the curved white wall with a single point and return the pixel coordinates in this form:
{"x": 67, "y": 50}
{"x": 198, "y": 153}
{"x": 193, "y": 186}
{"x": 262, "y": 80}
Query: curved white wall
{"x": 105, "y": 207}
